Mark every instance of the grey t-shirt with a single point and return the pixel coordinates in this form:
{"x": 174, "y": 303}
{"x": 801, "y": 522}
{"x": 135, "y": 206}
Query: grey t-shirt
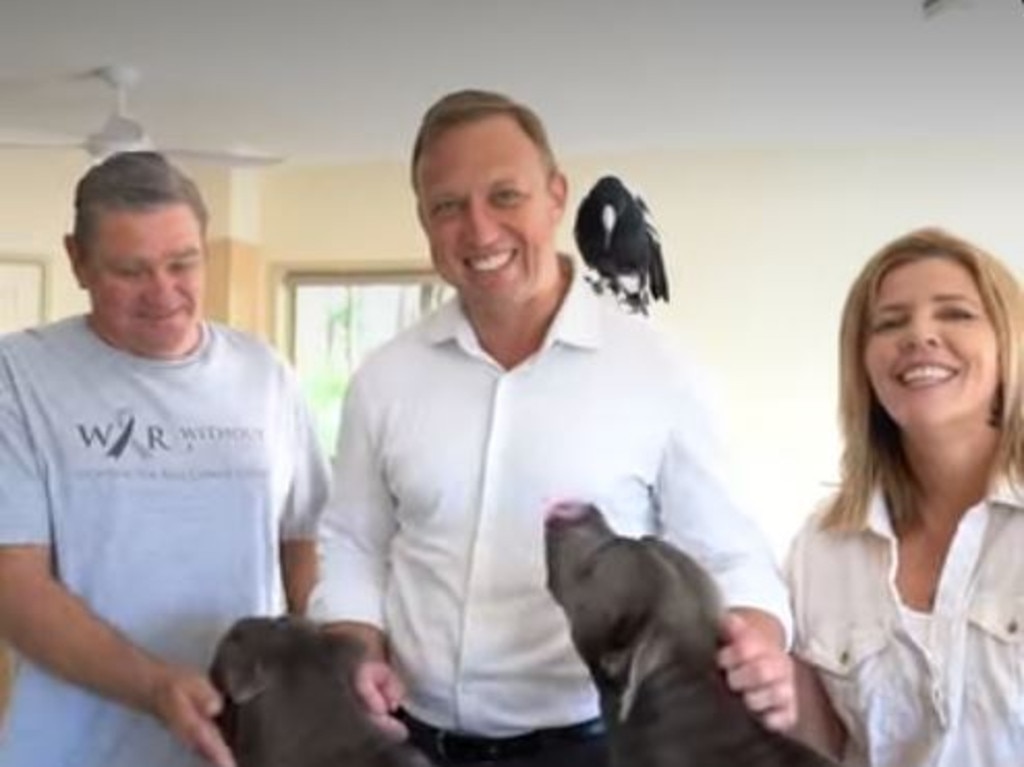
{"x": 164, "y": 489}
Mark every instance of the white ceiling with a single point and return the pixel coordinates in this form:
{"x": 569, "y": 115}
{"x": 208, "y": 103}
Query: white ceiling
{"x": 334, "y": 80}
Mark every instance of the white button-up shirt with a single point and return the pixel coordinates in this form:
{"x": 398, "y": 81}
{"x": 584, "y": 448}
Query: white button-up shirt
{"x": 945, "y": 692}
{"x": 446, "y": 463}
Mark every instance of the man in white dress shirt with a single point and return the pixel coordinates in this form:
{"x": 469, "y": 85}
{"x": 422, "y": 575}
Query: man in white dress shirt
{"x": 458, "y": 434}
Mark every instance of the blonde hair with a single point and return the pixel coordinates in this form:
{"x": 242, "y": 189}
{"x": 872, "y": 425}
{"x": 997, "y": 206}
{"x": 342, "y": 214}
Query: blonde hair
{"x": 873, "y": 456}
{"x": 468, "y": 106}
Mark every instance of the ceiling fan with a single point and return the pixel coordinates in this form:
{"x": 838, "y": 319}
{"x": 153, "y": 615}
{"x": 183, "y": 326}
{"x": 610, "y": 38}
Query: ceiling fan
{"x": 932, "y": 7}
{"x": 123, "y": 133}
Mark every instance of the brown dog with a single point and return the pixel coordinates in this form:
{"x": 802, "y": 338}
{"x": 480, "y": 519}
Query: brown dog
{"x": 644, "y": 617}
{"x": 290, "y": 700}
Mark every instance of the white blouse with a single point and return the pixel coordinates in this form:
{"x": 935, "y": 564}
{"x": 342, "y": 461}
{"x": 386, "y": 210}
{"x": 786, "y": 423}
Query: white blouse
{"x": 944, "y": 689}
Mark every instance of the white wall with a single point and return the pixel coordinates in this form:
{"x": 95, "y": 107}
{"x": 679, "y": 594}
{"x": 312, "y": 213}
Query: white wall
{"x": 761, "y": 245}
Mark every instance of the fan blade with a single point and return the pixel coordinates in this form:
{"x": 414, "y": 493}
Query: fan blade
{"x": 239, "y": 158}
{"x": 121, "y": 132}
{"x": 65, "y": 80}
{"x": 38, "y": 145}
{"x": 12, "y": 139}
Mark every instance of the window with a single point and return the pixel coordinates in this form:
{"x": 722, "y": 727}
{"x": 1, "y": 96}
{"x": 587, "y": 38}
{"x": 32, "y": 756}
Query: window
{"x": 22, "y": 293}
{"x": 337, "y": 319}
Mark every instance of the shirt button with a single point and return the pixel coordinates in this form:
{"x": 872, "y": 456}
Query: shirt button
{"x": 844, "y": 657}
{"x": 1012, "y": 626}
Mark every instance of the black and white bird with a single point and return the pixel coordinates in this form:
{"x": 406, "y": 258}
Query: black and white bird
{"x": 617, "y": 239}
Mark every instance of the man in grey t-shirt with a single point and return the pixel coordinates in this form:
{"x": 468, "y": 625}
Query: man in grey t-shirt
{"x": 159, "y": 478}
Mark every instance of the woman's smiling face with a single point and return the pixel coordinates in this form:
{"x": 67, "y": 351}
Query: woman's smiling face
{"x": 931, "y": 352}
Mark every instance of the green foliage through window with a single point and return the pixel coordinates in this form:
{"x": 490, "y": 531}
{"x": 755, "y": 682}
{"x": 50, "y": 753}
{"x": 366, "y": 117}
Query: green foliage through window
{"x": 337, "y": 321}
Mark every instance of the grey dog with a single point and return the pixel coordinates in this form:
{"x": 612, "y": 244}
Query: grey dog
{"x": 644, "y": 618}
{"x": 290, "y": 699}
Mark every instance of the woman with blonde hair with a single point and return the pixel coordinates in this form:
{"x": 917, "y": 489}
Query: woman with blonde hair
{"x": 908, "y": 586}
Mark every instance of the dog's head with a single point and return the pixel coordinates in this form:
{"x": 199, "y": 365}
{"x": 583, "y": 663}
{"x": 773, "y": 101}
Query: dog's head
{"x": 287, "y": 686}
{"x": 632, "y": 605}
{"x": 258, "y": 654}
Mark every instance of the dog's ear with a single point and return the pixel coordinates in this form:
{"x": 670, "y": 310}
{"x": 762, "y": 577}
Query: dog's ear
{"x": 650, "y": 652}
{"x": 689, "y": 600}
{"x": 243, "y": 680}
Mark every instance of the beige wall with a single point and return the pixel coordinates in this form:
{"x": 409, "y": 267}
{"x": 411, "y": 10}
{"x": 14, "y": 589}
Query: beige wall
{"x": 36, "y": 209}
{"x": 361, "y": 214}
{"x": 761, "y": 246}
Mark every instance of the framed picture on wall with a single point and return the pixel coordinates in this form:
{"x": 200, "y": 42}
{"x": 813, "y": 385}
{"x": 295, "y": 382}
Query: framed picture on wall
{"x": 22, "y": 292}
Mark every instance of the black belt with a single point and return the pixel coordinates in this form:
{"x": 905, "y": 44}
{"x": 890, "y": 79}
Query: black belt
{"x": 461, "y": 747}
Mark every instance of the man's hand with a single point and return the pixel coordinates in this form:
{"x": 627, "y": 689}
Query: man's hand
{"x": 186, "y": 702}
{"x": 758, "y": 667}
{"x": 382, "y": 692}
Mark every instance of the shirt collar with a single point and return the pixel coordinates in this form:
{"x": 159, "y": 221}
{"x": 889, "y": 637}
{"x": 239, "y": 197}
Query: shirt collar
{"x": 878, "y": 520}
{"x": 577, "y": 322}
{"x": 1003, "y": 493}
{"x": 443, "y": 324}
{"x": 1006, "y": 493}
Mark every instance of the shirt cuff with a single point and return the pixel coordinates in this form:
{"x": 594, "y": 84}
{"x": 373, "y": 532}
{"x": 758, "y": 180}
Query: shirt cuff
{"x": 773, "y": 601}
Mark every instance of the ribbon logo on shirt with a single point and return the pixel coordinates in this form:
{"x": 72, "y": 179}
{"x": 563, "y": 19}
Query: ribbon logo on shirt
{"x": 114, "y": 437}
{"x": 147, "y": 440}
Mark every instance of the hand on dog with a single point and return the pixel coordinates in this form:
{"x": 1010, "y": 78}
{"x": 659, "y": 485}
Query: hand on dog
{"x": 758, "y": 667}
{"x": 382, "y": 693}
{"x": 186, "y": 702}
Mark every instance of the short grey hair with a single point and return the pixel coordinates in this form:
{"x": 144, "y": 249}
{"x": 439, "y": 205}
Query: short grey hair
{"x": 132, "y": 181}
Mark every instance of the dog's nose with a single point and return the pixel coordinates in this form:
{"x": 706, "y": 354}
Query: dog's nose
{"x": 564, "y": 511}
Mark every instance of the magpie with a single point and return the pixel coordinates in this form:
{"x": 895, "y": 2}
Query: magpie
{"x": 618, "y": 241}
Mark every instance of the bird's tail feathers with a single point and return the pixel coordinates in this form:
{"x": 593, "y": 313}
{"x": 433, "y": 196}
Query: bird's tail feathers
{"x": 659, "y": 278}
{"x": 652, "y": 230}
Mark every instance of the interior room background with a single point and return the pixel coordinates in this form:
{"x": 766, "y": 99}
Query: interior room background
{"x": 761, "y": 244}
